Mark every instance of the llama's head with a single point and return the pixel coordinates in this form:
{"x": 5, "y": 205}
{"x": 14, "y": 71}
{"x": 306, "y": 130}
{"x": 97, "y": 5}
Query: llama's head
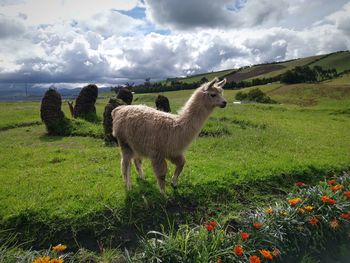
{"x": 213, "y": 92}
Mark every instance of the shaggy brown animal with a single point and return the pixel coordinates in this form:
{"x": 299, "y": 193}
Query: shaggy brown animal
{"x": 145, "y": 132}
{"x": 51, "y": 113}
{"x": 85, "y": 103}
{"x": 124, "y": 97}
{"x": 162, "y": 103}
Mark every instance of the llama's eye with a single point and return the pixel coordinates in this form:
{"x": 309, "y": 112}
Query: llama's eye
{"x": 213, "y": 95}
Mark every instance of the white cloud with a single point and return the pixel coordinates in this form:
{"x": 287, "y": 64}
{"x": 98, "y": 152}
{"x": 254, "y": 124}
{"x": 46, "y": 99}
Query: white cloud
{"x": 53, "y": 11}
{"x": 10, "y": 27}
{"x": 110, "y": 23}
{"x": 97, "y": 43}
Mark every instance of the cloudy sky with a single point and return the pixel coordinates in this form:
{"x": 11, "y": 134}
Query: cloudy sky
{"x": 113, "y": 41}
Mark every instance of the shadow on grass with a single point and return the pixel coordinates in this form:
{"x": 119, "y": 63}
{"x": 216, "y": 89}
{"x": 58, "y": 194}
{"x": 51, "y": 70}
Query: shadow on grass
{"x": 50, "y": 138}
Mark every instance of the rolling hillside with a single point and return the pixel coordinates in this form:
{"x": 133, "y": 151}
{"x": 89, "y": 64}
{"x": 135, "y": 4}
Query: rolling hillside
{"x": 338, "y": 60}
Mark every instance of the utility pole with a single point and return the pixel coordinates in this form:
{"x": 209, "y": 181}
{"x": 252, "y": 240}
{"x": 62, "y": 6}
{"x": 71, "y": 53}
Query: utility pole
{"x": 26, "y": 86}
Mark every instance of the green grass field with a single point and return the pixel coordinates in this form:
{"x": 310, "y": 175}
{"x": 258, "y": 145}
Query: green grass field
{"x": 339, "y": 61}
{"x": 69, "y": 189}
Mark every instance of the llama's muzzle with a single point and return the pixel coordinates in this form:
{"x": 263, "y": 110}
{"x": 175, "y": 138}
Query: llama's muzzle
{"x": 223, "y": 105}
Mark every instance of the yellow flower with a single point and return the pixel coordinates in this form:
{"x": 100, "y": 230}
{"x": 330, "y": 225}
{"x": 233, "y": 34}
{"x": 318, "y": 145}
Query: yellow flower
{"x": 284, "y": 213}
{"x": 308, "y": 208}
{"x": 59, "y": 248}
{"x": 269, "y": 211}
{"x": 44, "y": 259}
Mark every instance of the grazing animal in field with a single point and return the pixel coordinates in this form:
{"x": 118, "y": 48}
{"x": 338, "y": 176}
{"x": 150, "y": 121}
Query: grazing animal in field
{"x": 162, "y": 103}
{"x": 124, "y": 97}
{"x": 142, "y": 132}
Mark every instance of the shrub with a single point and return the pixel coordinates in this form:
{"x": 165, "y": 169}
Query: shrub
{"x": 255, "y": 95}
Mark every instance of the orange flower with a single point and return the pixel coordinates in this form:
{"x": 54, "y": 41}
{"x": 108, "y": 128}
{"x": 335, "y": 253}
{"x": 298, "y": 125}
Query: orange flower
{"x": 44, "y": 259}
{"x": 301, "y": 210}
{"x": 332, "y": 181}
{"x": 325, "y": 199}
{"x": 276, "y": 252}
{"x": 334, "y": 224}
{"x": 337, "y": 187}
{"x": 56, "y": 260}
{"x": 266, "y": 254}
{"x": 244, "y": 235}
{"x": 269, "y": 211}
{"x": 345, "y": 215}
{"x": 347, "y": 194}
{"x": 300, "y": 184}
{"x": 308, "y": 208}
{"x": 59, "y": 248}
{"x": 294, "y": 201}
{"x": 313, "y": 221}
{"x": 219, "y": 260}
{"x": 238, "y": 250}
{"x": 331, "y": 201}
{"x": 254, "y": 259}
{"x": 257, "y": 225}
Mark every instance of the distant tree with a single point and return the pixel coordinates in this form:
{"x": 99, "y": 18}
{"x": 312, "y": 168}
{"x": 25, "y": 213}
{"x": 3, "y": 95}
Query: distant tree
{"x": 203, "y": 80}
{"x": 147, "y": 83}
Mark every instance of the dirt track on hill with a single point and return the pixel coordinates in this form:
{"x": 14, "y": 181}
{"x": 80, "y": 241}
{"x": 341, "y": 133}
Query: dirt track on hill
{"x": 239, "y": 76}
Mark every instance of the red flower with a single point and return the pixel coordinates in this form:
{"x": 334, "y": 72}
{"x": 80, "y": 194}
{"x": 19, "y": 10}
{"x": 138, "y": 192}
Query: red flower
{"x": 345, "y": 215}
{"x": 300, "y": 184}
{"x": 347, "y": 194}
{"x": 331, "y": 201}
{"x": 238, "y": 250}
{"x": 332, "y": 181}
{"x": 211, "y": 225}
{"x": 254, "y": 259}
{"x": 313, "y": 221}
{"x": 244, "y": 235}
{"x": 257, "y": 225}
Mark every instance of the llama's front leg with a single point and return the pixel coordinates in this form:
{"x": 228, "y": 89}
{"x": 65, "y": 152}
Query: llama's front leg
{"x": 160, "y": 170}
{"x": 179, "y": 161}
{"x": 126, "y": 167}
{"x": 138, "y": 164}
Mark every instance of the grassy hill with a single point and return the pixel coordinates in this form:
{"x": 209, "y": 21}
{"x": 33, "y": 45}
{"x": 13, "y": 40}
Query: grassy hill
{"x": 338, "y": 60}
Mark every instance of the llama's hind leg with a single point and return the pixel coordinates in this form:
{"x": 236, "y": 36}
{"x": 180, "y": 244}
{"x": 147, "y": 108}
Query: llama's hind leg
{"x": 179, "y": 161}
{"x": 127, "y": 155}
{"x": 138, "y": 164}
{"x": 160, "y": 170}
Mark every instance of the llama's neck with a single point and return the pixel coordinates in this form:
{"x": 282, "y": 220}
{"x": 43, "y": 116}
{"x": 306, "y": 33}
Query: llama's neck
{"x": 192, "y": 117}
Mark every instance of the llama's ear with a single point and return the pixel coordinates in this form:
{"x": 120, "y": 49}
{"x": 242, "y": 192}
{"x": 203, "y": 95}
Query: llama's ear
{"x": 211, "y": 83}
{"x": 222, "y": 83}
